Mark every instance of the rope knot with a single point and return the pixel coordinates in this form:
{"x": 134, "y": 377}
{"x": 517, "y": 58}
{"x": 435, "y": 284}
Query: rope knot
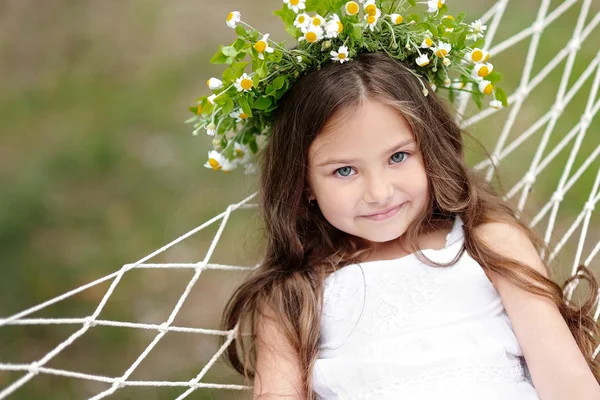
{"x": 163, "y": 328}
{"x": 589, "y": 206}
{"x": 557, "y": 197}
{"x": 34, "y": 368}
{"x": 530, "y": 178}
{"x": 89, "y": 322}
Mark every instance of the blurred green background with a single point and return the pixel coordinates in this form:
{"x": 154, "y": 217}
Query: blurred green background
{"x": 97, "y": 170}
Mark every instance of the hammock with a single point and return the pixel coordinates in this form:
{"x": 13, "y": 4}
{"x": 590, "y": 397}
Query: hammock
{"x": 527, "y": 154}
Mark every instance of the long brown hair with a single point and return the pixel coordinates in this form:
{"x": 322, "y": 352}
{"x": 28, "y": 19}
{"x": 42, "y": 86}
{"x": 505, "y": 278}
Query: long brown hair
{"x": 303, "y": 247}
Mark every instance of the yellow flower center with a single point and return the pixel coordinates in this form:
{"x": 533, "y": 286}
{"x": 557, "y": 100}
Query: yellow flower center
{"x": 440, "y": 4}
{"x": 371, "y": 9}
{"x": 476, "y": 55}
{"x": 441, "y": 53}
{"x": 301, "y": 19}
{"x": 230, "y": 16}
{"x": 239, "y": 152}
{"x": 371, "y": 19}
{"x": 341, "y": 56}
{"x": 428, "y": 41}
{"x": 214, "y": 164}
{"x": 487, "y": 56}
{"x": 199, "y": 110}
{"x": 260, "y": 46}
{"x": 488, "y": 89}
{"x": 243, "y": 116}
{"x": 340, "y": 27}
{"x": 246, "y": 84}
{"x": 294, "y": 2}
{"x": 316, "y": 21}
{"x": 311, "y": 37}
{"x": 399, "y": 19}
{"x": 483, "y": 71}
{"x": 352, "y": 8}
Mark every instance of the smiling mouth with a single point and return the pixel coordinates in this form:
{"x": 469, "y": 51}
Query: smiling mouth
{"x": 385, "y": 214}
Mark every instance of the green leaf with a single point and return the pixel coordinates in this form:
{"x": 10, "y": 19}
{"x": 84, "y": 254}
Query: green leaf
{"x": 228, "y": 106}
{"x": 412, "y": 3}
{"x": 451, "y": 95}
{"x": 460, "y": 17}
{"x": 443, "y": 10}
{"x": 219, "y": 57}
{"x": 449, "y": 23}
{"x": 477, "y": 99}
{"x": 262, "y": 103}
{"x": 239, "y": 44}
{"x": 279, "y": 82}
{"x": 243, "y": 102}
{"x": 270, "y": 90}
{"x": 253, "y": 146}
{"x": 494, "y": 77}
{"x": 255, "y": 80}
{"x": 229, "y": 51}
{"x": 221, "y": 100}
{"x": 240, "y": 31}
{"x": 239, "y": 67}
{"x": 413, "y": 17}
{"x": 501, "y": 95}
{"x": 357, "y": 31}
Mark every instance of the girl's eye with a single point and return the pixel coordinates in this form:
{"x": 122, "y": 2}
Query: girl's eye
{"x": 346, "y": 171}
{"x": 400, "y": 152}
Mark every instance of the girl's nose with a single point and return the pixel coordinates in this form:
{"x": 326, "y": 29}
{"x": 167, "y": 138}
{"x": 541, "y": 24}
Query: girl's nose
{"x": 378, "y": 190}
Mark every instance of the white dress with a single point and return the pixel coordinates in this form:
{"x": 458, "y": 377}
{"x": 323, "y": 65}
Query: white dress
{"x": 400, "y": 329}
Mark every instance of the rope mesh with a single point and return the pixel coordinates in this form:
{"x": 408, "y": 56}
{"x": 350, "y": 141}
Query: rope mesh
{"x": 502, "y": 151}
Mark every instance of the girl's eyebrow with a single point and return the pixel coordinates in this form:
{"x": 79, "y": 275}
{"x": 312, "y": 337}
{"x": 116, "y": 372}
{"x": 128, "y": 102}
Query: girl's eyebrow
{"x": 348, "y": 161}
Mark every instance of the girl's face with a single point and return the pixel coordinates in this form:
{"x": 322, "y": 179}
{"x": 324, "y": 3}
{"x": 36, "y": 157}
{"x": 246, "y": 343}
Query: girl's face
{"x": 364, "y": 164}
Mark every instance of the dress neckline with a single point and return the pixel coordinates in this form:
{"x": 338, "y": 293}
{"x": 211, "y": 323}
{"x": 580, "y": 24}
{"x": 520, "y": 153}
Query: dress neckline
{"x": 452, "y": 237}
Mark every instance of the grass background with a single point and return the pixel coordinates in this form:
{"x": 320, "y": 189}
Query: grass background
{"x": 97, "y": 169}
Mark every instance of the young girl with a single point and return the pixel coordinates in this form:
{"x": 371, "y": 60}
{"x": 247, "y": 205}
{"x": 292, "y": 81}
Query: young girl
{"x": 392, "y": 270}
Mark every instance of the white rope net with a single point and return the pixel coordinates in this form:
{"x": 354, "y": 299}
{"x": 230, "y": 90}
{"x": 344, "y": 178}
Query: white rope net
{"x": 533, "y": 149}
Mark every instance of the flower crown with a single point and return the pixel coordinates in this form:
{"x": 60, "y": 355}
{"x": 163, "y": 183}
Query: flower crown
{"x": 432, "y": 44}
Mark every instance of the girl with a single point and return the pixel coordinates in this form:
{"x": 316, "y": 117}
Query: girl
{"x": 392, "y": 270}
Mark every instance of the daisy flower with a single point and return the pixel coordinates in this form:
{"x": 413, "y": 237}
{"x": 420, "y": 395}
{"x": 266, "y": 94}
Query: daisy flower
{"x": 442, "y": 49}
{"x": 262, "y": 45}
{"x": 370, "y": 7}
{"x": 476, "y": 28}
{"x": 478, "y": 55}
{"x": 427, "y": 43}
{"x": 215, "y": 160}
{"x": 232, "y": 18}
{"x": 311, "y": 34}
{"x": 447, "y": 82}
{"x": 296, "y": 5}
{"x": 302, "y": 21}
{"x": 422, "y": 60}
{"x": 244, "y": 83}
{"x": 214, "y": 83}
{"x": 483, "y": 70}
{"x": 333, "y": 27}
{"x": 371, "y": 20}
{"x": 496, "y": 104}
{"x": 446, "y": 61}
{"x": 351, "y": 8}
{"x": 211, "y": 129}
{"x": 238, "y": 114}
{"x": 486, "y": 87}
{"x": 241, "y": 152}
{"x": 228, "y": 166}
{"x": 396, "y": 18}
{"x": 341, "y": 55}
{"x": 458, "y": 84}
{"x": 317, "y": 20}
{"x": 434, "y": 5}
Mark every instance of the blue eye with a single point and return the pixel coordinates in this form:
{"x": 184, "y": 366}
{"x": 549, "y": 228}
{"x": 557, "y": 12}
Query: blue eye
{"x": 400, "y": 152}
{"x": 345, "y": 171}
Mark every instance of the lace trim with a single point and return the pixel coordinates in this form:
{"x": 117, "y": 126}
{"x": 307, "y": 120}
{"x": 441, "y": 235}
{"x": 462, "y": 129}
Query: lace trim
{"x": 459, "y": 378}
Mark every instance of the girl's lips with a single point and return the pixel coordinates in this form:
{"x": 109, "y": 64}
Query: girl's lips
{"x": 386, "y": 215}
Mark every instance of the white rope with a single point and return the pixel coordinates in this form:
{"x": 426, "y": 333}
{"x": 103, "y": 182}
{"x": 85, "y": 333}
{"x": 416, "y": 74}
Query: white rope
{"x": 503, "y": 149}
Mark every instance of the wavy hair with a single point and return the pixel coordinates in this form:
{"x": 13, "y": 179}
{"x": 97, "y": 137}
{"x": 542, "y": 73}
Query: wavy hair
{"x": 302, "y": 247}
